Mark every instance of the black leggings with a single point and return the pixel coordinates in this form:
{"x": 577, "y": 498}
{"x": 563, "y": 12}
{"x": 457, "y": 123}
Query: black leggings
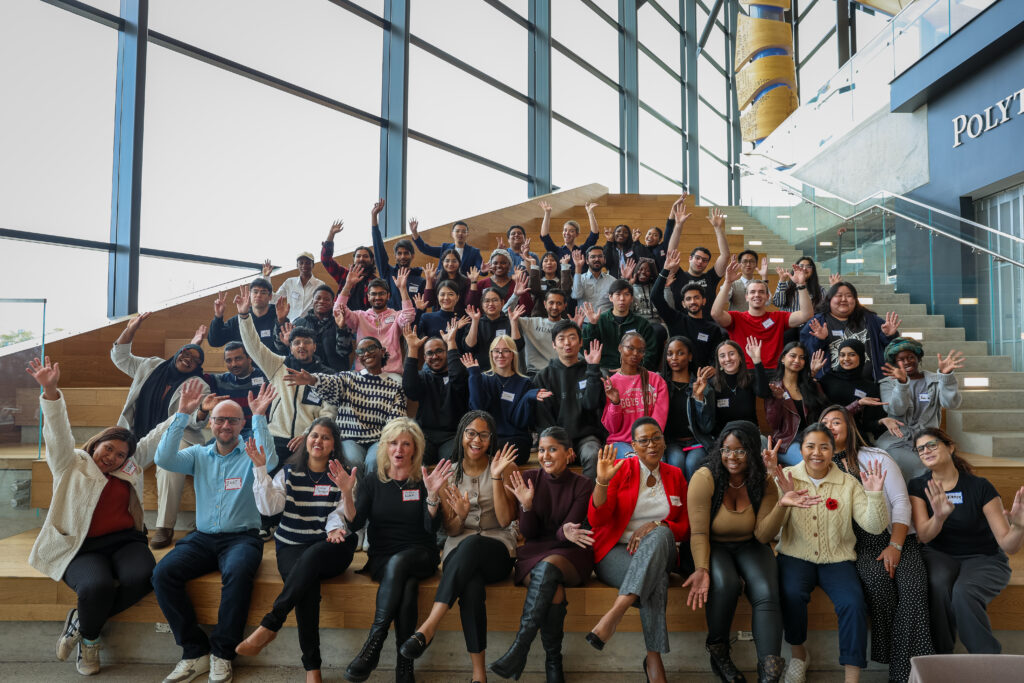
{"x": 398, "y": 593}
{"x": 110, "y": 574}
{"x": 474, "y": 563}
{"x": 303, "y": 567}
{"x": 734, "y": 565}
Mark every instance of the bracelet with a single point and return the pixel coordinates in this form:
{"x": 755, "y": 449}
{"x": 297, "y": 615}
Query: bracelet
{"x": 433, "y": 503}
{"x": 495, "y": 478}
{"x": 597, "y": 483}
{"x": 896, "y": 545}
{"x": 524, "y": 509}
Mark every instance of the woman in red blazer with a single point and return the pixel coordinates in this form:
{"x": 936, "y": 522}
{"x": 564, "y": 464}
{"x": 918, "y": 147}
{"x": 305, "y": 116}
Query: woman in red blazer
{"x": 638, "y": 514}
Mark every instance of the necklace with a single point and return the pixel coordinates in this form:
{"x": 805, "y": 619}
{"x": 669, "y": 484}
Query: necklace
{"x": 309, "y": 473}
{"x": 734, "y": 486}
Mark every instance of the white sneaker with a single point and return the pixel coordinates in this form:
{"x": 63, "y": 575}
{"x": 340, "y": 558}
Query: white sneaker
{"x": 220, "y": 669}
{"x": 88, "y": 662}
{"x": 796, "y": 670}
{"x": 188, "y": 669}
{"x": 69, "y": 636}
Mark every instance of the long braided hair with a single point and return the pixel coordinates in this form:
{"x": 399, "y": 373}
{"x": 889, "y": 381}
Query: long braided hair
{"x": 645, "y": 375}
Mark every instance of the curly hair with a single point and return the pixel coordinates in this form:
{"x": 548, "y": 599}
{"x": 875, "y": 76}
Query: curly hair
{"x": 750, "y": 439}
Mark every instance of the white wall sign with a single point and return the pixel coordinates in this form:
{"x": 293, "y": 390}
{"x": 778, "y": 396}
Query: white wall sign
{"x": 992, "y": 117}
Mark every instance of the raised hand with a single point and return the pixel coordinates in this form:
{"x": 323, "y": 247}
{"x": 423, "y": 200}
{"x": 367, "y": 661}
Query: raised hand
{"x": 699, "y": 584}
{"x": 46, "y": 376}
{"x": 607, "y": 465}
{"x": 295, "y": 378}
{"x": 135, "y": 323}
{"x": 565, "y": 260}
{"x": 579, "y": 260}
{"x": 672, "y": 259}
{"x": 524, "y": 250}
{"x": 402, "y": 279}
{"x": 782, "y": 273}
{"x": 732, "y": 272}
{"x": 791, "y": 497}
{"x": 516, "y": 313}
{"x": 284, "y": 333}
{"x": 469, "y": 360}
{"x": 676, "y": 204}
{"x": 377, "y": 208}
{"x": 754, "y": 349}
{"x": 436, "y": 479}
{"x": 282, "y": 308}
{"x": 628, "y": 269}
{"x": 589, "y": 207}
{"x": 592, "y": 315}
{"x": 873, "y": 476}
{"x": 544, "y": 206}
{"x": 457, "y": 501}
{"x": 210, "y": 402}
{"x": 260, "y": 403}
{"x": 770, "y": 455}
{"x": 1015, "y": 515}
{"x": 818, "y": 361}
{"x": 420, "y": 302}
{"x": 893, "y": 425}
{"x": 716, "y": 218}
{"x": 429, "y": 273}
{"x": 763, "y": 270}
{"x": 799, "y": 275}
{"x": 199, "y": 336}
{"x": 891, "y": 326}
{"x": 503, "y": 460}
{"x": 610, "y": 392}
{"x": 219, "y": 305}
{"x": 520, "y": 488}
{"x": 345, "y": 481}
{"x": 267, "y": 268}
{"x": 522, "y": 282}
{"x": 578, "y": 316}
{"x": 941, "y": 507}
{"x": 413, "y": 226}
{"x": 336, "y": 227}
{"x": 593, "y": 355}
{"x": 700, "y": 382}
{"x": 953, "y": 361}
{"x": 191, "y": 396}
{"x": 681, "y": 214}
{"x": 473, "y": 275}
{"x": 257, "y": 455}
{"x": 355, "y": 275}
{"x": 453, "y": 327}
{"x": 575, "y": 533}
{"x": 636, "y": 234}
{"x": 412, "y": 340}
{"x": 834, "y": 279}
{"x": 474, "y": 313}
{"x": 608, "y": 234}
{"x": 818, "y": 329}
{"x": 242, "y": 304}
{"x": 896, "y": 372}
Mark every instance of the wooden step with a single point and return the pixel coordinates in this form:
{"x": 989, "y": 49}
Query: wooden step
{"x": 87, "y": 406}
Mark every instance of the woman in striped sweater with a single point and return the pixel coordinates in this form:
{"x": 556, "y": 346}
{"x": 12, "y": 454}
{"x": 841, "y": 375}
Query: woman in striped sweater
{"x": 312, "y": 539}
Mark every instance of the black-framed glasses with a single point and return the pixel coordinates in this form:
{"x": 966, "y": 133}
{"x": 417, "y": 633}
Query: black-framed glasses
{"x": 647, "y": 441}
{"x": 927, "y": 447}
{"x": 437, "y": 352}
{"x": 472, "y": 434}
{"x": 229, "y": 420}
{"x": 737, "y": 453}
{"x": 367, "y": 349}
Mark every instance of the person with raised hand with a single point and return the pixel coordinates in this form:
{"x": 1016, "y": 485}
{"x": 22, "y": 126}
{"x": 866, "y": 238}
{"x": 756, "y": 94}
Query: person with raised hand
{"x": 610, "y": 326}
{"x": 590, "y": 283}
{"x": 796, "y": 399}
{"x": 966, "y": 535}
{"x": 914, "y": 398}
{"x": 638, "y": 514}
{"x": 266, "y": 316}
{"x": 734, "y": 513}
{"x": 152, "y": 398}
{"x": 488, "y": 323}
{"x": 400, "y": 504}
{"x": 737, "y": 387}
{"x": 441, "y": 389}
{"x": 621, "y": 248}
{"x": 570, "y": 231}
{"x": 446, "y": 308}
{"x": 380, "y": 322}
{"x": 448, "y": 270}
{"x": 480, "y": 549}
{"x": 839, "y": 316}
{"x": 468, "y": 254}
{"x": 362, "y": 257}
{"x": 691, "y": 406}
{"x": 889, "y": 564}
{"x": 549, "y": 274}
{"x": 557, "y": 552}
{"x": 749, "y": 272}
{"x": 817, "y": 548}
{"x": 404, "y": 253}
{"x": 692, "y": 322}
{"x": 94, "y": 536}
{"x": 226, "y": 536}
{"x": 631, "y": 393}
{"x": 850, "y": 386}
{"x": 757, "y": 321}
{"x": 700, "y": 257}
{"x": 312, "y": 541}
{"x": 334, "y": 342}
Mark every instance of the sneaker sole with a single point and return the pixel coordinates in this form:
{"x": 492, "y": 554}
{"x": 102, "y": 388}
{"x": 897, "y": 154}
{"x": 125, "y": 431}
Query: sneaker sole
{"x": 67, "y": 625}
{"x": 193, "y": 677}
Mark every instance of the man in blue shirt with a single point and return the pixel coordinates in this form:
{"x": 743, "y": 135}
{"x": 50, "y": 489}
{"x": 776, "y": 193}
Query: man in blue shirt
{"x": 226, "y": 536}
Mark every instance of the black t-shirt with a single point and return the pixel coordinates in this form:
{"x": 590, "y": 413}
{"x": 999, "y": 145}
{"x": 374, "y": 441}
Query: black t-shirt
{"x": 966, "y": 530}
{"x": 708, "y": 281}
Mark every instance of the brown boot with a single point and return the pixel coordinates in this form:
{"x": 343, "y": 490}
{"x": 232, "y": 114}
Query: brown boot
{"x": 162, "y": 537}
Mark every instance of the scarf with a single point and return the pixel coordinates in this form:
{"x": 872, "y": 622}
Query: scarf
{"x": 856, "y": 373}
{"x": 154, "y": 402}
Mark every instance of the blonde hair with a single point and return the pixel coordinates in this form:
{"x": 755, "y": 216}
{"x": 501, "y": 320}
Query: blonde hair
{"x": 573, "y": 224}
{"x": 510, "y": 343}
{"x": 391, "y": 431}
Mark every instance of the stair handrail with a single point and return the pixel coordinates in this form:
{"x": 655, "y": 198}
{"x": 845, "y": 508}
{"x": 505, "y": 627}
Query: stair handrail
{"x": 781, "y": 180}
{"x": 880, "y": 206}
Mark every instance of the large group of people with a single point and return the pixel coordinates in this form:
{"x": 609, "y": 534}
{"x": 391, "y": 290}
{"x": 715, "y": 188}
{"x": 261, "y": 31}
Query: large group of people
{"x": 638, "y": 384}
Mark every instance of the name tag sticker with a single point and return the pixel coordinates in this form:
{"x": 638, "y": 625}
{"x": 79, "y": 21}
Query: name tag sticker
{"x": 924, "y": 398}
{"x": 955, "y": 497}
{"x": 674, "y": 500}
{"x": 408, "y": 496}
{"x": 265, "y": 333}
{"x": 767, "y": 323}
{"x": 445, "y": 380}
{"x": 785, "y": 394}
{"x": 629, "y": 253}
{"x": 722, "y": 403}
{"x": 508, "y": 396}
{"x": 232, "y": 483}
{"x": 630, "y": 331}
{"x": 322, "y": 490}
{"x": 313, "y": 397}
{"x": 388, "y": 320}
{"x": 702, "y": 336}
{"x": 130, "y": 467}
{"x": 860, "y": 393}
{"x": 257, "y": 381}
{"x": 414, "y": 288}
{"x": 501, "y": 333}
{"x": 837, "y": 333}
{"x": 583, "y": 384}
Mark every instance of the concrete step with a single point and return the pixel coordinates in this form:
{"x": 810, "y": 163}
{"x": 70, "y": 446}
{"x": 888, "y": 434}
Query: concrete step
{"x": 968, "y": 348}
{"x": 992, "y": 399}
{"x": 884, "y": 299}
{"x": 944, "y": 334}
{"x": 996, "y": 380}
{"x": 919, "y": 321}
{"x": 977, "y": 364}
{"x": 902, "y": 310}
{"x": 998, "y": 445}
{"x": 985, "y": 420}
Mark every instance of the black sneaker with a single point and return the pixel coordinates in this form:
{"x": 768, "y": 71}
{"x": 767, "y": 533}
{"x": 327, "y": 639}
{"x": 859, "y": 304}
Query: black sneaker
{"x": 268, "y": 533}
{"x": 69, "y": 636}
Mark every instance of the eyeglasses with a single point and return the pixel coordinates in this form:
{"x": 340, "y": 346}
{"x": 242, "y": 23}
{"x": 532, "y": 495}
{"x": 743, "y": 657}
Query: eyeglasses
{"x": 437, "y": 352}
{"x": 229, "y": 420}
{"x": 472, "y": 434}
{"x": 735, "y": 453}
{"x": 367, "y": 349}
{"x": 501, "y": 352}
{"x": 649, "y": 440}
{"x": 927, "y": 447}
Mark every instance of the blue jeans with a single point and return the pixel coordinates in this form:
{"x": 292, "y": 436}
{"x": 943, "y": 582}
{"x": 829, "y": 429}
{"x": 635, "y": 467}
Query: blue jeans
{"x": 622, "y": 449}
{"x": 797, "y": 579}
{"x": 370, "y": 460}
{"x": 689, "y": 461}
{"x": 792, "y": 455}
{"x": 363, "y": 456}
{"x": 237, "y": 556}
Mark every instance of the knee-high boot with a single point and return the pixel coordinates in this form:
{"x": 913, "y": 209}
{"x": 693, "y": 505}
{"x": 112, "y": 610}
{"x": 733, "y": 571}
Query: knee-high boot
{"x": 551, "y": 632}
{"x": 360, "y": 668}
{"x": 544, "y": 580}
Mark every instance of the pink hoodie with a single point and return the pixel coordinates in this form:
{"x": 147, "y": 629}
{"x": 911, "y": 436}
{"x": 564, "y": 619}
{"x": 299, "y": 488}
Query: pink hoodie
{"x": 619, "y": 419}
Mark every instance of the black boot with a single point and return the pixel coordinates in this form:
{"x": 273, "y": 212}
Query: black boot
{"x": 722, "y": 665}
{"x": 360, "y": 668}
{"x": 769, "y": 669}
{"x": 544, "y": 580}
{"x": 551, "y": 632}
{"x": 403, "y": 670}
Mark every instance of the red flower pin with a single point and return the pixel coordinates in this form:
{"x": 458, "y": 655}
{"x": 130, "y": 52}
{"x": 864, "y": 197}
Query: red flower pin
{"x": 832, "y": 504}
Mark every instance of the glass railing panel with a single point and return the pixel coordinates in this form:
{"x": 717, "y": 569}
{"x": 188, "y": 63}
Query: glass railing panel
{"x": 22, "y": 338}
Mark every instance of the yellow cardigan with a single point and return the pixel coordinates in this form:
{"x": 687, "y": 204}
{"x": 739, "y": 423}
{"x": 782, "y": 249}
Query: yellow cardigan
{"x": 824, "y": 536}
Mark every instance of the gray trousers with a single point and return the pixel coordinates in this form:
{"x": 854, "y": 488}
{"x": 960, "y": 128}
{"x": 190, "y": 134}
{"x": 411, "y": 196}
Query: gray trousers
{"x": 644, "y": 574}
{"x": 902, "y": 451}
{"x": 960, "y": 588}
{"x": 587, "y": 450}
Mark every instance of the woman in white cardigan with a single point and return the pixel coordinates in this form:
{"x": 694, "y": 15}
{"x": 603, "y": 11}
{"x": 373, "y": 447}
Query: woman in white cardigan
{"x": 93, "y": 537}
